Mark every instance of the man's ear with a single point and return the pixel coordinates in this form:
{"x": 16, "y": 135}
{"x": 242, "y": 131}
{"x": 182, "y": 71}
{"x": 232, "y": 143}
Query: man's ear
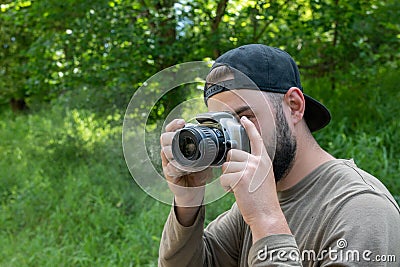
{"x": 294, "y": 98}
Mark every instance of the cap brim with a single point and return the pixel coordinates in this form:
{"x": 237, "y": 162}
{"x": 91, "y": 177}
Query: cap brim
{"x": 317, "y": 116}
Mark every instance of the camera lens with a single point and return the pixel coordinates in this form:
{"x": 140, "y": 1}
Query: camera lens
{"x": 198, "y": 146}
{"x": 188, "y": 147}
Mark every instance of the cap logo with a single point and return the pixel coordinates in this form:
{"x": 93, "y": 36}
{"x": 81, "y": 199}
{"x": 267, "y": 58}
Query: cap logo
{"x": 214, "y": 89}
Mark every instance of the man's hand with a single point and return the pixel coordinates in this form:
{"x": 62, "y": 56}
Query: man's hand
{"x": 188, "y": 188}
{"x": 251, "y": 178}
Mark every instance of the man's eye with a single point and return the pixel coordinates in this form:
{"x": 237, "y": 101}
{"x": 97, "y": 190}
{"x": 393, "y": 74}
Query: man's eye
{"x": 249, "y": 116}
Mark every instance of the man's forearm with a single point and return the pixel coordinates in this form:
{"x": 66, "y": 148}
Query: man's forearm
{"x": 271, "y": 225}
{"x": 181, "y": 244}
{"x": 187, "y": 207}
{"x": 186, "y": 215}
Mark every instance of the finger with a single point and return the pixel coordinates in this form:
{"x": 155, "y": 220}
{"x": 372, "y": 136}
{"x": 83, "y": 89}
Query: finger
{"x": 256, "y": 142}
{"x": 164, "y": 160}
{"x": 168, "y": 152}
{"x": 173, "y": 172}
{"x": 237, "y": 155}
{"x": 175, "y": 125}
{"x": 230, "y": 180}
{"x": 166, "y": 138}
{"x": 169, "y": 167}
{"x": 232, "y": 167}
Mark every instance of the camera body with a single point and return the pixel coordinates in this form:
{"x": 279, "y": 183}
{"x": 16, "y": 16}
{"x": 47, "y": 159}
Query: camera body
{"x": 197, "y": 146}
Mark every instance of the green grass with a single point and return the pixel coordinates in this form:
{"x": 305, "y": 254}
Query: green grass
{"x": 67, "y": 198}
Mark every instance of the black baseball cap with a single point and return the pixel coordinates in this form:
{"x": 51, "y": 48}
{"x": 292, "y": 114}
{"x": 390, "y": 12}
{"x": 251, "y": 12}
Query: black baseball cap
{"x": 272, "y": 70}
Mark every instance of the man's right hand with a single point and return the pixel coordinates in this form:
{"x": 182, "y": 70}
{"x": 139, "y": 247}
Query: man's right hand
{"x": 188, "y": 188}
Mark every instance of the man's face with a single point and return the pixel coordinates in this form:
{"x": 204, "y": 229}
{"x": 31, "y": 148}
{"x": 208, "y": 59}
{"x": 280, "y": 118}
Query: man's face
{"x": 270, "y": 123}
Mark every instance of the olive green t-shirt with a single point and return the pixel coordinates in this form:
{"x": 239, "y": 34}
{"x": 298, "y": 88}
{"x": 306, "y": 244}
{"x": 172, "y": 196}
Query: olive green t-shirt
{"x": 339, "y": 216}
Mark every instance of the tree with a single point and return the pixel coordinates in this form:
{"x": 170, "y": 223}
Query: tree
{"x": 96, "y": 54}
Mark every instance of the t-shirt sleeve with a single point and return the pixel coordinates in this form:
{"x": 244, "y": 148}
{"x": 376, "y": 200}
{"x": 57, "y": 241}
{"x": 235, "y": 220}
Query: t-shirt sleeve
{"x": 365, "y": 231}
{"x": 217, "y": 245}
{"x": 180, "y": 245}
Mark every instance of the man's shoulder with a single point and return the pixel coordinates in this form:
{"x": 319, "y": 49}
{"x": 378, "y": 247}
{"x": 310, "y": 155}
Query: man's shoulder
{"x": 345, "y": 175}
{"x": 343, "y": 181}
{"x": 343, "y": 201}
{"x": 330, "y": 186}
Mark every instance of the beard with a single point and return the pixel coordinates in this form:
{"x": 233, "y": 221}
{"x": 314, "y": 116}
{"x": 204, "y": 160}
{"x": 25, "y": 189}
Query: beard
{"x": 286, "y": 147}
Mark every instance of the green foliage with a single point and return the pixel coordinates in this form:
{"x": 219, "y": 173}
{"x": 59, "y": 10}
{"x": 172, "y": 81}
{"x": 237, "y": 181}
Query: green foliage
{"x": 95, "y": 54}
{"x": 363, "y": 124}
{"x": 66, "y": 196}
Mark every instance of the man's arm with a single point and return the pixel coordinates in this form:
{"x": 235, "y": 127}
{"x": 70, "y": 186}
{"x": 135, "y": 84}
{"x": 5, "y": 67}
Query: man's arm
{"x": 217, "y": 245}
{"x": 251, "y": 178}
{"x": 222, "y": 243}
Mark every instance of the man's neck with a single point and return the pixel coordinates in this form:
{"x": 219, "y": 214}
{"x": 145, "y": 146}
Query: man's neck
{"x": 309, "y": 155}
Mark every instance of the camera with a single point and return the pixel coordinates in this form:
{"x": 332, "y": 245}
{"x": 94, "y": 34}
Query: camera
{"x": 197, "y": 146}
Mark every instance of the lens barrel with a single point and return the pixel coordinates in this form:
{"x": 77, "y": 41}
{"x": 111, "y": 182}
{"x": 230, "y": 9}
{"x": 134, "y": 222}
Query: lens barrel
{"x": 198, "y": 146}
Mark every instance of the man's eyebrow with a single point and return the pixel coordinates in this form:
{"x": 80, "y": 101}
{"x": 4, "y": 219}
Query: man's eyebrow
{"x": 242, "y": 109}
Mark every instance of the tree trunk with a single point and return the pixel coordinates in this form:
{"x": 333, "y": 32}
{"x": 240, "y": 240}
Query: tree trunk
{"x": 18, "y": 105}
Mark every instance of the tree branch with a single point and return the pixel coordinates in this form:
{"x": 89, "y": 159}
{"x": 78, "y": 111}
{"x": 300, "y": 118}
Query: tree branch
{"x": 215, "y": 24}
